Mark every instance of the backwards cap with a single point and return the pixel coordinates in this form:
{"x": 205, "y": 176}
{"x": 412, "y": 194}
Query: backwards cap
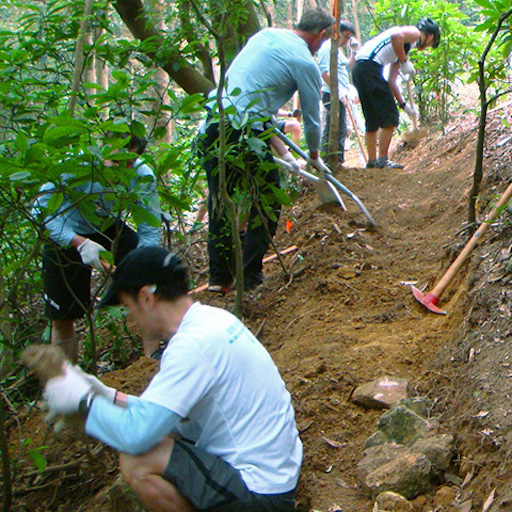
{"x": 148, "y": 266}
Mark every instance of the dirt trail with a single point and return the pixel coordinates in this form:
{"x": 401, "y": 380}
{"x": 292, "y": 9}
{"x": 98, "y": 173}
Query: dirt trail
{"x": 348, "y": 318}
{"x": 344, "y": 317}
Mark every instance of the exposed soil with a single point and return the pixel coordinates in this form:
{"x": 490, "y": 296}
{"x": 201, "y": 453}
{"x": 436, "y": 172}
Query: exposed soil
{"x": 345, "y": 316}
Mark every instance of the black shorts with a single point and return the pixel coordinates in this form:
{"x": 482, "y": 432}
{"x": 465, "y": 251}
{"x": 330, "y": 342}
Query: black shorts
{"x": 211, "y": 484}
{"x": 67, "y": 281}
{"x": 377, "y": 101}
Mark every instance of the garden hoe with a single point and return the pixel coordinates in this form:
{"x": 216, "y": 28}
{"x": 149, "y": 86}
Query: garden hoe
{"x": 328, "y": 194}
{"x": 356, "y": 131}
{"x": 417, "y": 133}
{"x": 432, "y": 298}
{"x": 327, "y": 177}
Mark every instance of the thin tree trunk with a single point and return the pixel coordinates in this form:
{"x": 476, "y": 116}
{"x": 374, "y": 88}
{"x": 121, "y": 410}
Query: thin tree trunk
{"x": 6, "y": 462}
{"x": 79, "y": 56}
{"x": 356, "y": 19}
{"x": 334, "y": 108}
{"x": 90, "y": 67}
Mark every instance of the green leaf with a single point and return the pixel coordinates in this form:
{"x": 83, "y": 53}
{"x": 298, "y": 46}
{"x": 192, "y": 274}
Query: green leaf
{"x": 38, "y": 460}
{"x": 62, "y": 135}
{"x": 19, "y": 176}
{"x": 22, "y": 142}
{"x": 142, "y": 215}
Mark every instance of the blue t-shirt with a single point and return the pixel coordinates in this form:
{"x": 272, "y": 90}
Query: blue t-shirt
{"x": 263, "y": 77}
{"x": 324, "y": 63}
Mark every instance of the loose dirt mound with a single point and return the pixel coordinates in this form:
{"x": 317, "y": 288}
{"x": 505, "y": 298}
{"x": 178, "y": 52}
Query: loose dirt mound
{"x": 343, "y": 316}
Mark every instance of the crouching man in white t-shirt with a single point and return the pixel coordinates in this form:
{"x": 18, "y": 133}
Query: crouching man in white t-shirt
{"x": 215, "y": 429}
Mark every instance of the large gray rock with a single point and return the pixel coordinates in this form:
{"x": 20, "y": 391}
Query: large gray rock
{"x": 402, "y": 425}
{"x": 419, "y": 404}
{"x": 382, "y": 393}
{"x": 408, "y": 475}
{"x": 377, "y": 456}
{"x": 439, "y": 450}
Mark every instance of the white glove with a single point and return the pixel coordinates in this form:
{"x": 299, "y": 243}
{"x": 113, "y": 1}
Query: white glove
{"x": 293, "y": 162}
{"x": 90, "y": 253}
{"x": 411, "y": 111}
{"x": 354, "y": 45}
{"x": 64, "y": 393}
{"x": 97, "y": 386}
{"x": 318, "y": 164}
{"x": 407, "y": 68}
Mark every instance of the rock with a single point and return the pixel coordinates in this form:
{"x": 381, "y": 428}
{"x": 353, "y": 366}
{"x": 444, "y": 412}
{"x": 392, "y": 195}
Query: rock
{"x": 419, "y": 404}
{"x": 445, "y": 496}
{"x": 376, "y": 439}
{"x": 377, "y": 456}
{"x": 402, "y": 425}
{"x": 408, "y": 475}
{"x": 392, "y": 502}
{"x": 419, "y": 503}
{"x": 438, "y": 449}
{"x": 382, "y": 393}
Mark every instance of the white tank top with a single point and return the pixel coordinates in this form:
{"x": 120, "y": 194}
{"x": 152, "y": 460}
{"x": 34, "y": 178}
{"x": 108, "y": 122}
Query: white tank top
{"x": 379, "y": 49}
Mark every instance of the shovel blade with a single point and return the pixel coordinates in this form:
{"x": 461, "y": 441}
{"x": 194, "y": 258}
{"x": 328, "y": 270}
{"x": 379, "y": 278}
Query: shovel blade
{"x": 327, "y": 193}
{"x": 429, "y": 301}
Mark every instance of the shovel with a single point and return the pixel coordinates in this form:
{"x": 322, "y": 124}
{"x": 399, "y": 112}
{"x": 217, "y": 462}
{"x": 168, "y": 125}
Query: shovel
{"x": 328, "y": 194}
{"x": 326, "y": 176}
{"x": 417, "y": 133}
{"x": 432, "y": 298}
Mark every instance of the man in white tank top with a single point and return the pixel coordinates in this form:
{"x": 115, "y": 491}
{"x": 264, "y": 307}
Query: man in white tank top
{"x": 378, "y": 95}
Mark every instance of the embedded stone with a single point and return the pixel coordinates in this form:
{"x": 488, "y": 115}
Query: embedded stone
{"x": 382, "y": 393}
{"x": 408, "y": 475}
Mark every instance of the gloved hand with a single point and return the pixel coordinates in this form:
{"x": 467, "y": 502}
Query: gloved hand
{"x": 354, "y": 45}
{"x": 90, "y": 253}
{"x": 64, "y": 393}
{"x": 288, "y": 157}
{"x": 407, "y": 68}
{"x": 411, "y": 111}
{"x": 97, "y": 386}
{"x": 318, "y": 164}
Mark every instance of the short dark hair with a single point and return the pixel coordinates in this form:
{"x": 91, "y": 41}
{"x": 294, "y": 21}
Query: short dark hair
{"x": 346, "y": 26}
{"x": 137, "y": 144}
{"x": 315, "y": 20}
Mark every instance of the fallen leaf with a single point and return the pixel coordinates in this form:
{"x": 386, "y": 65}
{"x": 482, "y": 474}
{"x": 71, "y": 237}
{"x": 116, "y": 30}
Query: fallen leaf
{"x": 465, "y": 507}
{"x": 488, "y": 501}
{"x": 334, "y": 444}
{"x": 468, "y": 477}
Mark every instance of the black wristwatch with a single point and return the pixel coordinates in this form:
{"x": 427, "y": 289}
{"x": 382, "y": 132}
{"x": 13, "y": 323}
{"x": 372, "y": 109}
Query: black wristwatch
{"x": 85, "y": 403}
{"x": 402, "y": 105}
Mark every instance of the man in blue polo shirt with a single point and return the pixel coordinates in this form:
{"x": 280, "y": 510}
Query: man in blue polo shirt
{"x": 263, "y": 77}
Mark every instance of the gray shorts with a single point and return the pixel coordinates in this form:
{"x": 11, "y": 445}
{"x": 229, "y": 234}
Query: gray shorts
{"x": 211, "y": 484}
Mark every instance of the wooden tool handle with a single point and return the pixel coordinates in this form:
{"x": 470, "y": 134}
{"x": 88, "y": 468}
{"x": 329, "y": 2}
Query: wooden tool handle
{"x": 477, "y": 236}
{"x": 410, "y": 97}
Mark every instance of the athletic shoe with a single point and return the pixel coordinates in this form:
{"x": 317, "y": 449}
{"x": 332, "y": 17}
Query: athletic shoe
{"x": 219, "y": 288}
{"x": 372, "y": 164}
{"x": 384, "y": 163}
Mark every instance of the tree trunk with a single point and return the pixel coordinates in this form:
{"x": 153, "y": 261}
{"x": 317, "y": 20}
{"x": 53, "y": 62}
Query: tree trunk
{"x": 133, "y": 14}
{"x": 355, "y": 15}
{"x": 79, "y": 56}
{"x": 334, "y": 108}
{"x": 90, "y": 66}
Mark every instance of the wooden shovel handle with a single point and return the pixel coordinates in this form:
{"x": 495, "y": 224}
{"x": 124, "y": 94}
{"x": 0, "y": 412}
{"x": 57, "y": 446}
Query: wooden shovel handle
{"x": 473, "y": 241}
{"x": 410, "y": 97}
{"x": 358, "y": 136}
